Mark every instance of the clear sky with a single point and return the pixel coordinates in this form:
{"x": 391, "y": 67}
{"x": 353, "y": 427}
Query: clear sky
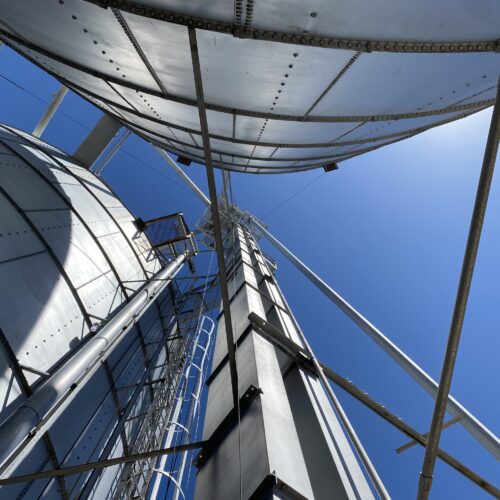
{"x": 387, "y": 231}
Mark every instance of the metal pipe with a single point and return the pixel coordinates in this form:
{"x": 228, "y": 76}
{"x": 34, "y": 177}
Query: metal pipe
{"x": 49, "y": 113}
{"x": 476, "y": 225}
{"x": 183, "y": 176}
{"x": 112, "y": 152}
{"x": 217, "y": 231}
{"x": 76, "y": 469}
{"x": 412, "y": 443}
{"x": 23, "y": 429}
{"x": 365, "y": 459}
{"x": 482, "y": 434}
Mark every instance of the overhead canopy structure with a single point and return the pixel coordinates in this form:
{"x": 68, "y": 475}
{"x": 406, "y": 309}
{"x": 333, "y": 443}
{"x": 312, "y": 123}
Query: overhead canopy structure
{"x": 289, "y": 85}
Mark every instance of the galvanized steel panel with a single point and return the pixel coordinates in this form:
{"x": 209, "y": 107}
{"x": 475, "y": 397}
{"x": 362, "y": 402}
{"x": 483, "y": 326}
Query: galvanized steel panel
{"x": 95, "y": 35}
{"x": 45, "y": 310}
{"x": 11, "y": 394}
{"x": 341, "y": 65}
{"x": 17, "y": 240}
{"x": 25, "y": 187}
{"x": 75, "y": 248}
{"x": 122, "y": 257}
{"x": 91, "y": 212}
{"x": 41, "y": 332}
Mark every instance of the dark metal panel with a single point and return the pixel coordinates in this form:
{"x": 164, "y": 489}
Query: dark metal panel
{"x": 97, "y": 140}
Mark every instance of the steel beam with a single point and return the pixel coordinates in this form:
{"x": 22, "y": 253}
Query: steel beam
{"x": 197, "y": 191}
{"x": 399, "y": 424}
{"x": 482, "y": 434}
{"x": 476, "y": 225}
{"x": 50, "y": 112}
{"x": 24, "y": 428}
{"x": 77, "y": 469}
{"x": 112, "y": 152}
{"x": 412, "y": 443}
{"x": 97, "y": 140}
{"x": 219, "y": 245}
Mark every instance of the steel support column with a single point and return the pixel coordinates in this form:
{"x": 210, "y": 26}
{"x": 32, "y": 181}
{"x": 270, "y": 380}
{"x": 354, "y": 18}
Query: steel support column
{"x": 289, "y": 323}
{"x": 219, "y": 245}
{"x": 112, "y": 152}
{"x": 279, "y": 297}
{"x": 76, "y": 469}
{"x": 51, "y": 110}
{"x": 476, "y": 225}
{"x": 183, "y": 176}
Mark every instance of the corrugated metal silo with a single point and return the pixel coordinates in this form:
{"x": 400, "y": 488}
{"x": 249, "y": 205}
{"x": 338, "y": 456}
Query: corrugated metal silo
{"x": 70, "y": 258}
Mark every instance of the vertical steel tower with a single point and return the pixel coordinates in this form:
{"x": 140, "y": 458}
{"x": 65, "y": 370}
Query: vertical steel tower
{"x": 284, "y": 437}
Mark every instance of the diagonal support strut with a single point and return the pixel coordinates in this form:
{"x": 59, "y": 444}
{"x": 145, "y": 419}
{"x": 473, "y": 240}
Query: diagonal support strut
{"x": 215, "y": 213}
{"x": 476, "y": 225}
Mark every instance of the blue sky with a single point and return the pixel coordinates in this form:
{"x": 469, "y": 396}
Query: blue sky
{"x": 387, "y": 231}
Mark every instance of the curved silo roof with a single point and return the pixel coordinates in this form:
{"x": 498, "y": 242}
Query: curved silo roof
{"x": 288, "y": 86}
{"x": 70, "y": 258}
{"x": 69, "y": 254}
